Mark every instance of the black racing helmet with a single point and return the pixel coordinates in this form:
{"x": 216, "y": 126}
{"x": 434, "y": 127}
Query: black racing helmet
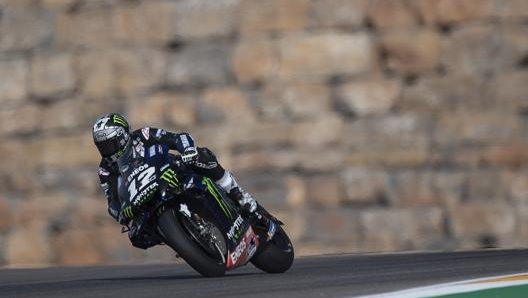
{"x": 111, "y": 135}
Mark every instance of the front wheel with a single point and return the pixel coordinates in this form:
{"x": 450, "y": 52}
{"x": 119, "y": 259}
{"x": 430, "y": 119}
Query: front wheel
{"x": 204, "y": 256}
{"x": 277, "y": 256}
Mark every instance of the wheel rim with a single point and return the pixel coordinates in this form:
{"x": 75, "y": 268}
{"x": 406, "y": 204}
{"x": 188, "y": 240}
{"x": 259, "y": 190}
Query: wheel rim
{"x": 208, "y": 237}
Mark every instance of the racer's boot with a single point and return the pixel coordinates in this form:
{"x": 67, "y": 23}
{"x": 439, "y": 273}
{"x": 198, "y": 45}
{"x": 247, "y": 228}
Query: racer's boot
{"x": 237, "y": 193}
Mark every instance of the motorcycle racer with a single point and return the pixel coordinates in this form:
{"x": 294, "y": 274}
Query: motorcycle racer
{"x": 113, "y": 137}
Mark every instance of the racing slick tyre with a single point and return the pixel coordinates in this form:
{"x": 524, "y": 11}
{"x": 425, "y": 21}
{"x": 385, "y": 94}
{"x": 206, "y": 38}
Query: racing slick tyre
{"x": 278, "y": 255}
{"x": 204, "y": 256}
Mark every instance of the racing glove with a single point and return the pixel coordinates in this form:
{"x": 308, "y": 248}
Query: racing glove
{"x": 190, "y": 155}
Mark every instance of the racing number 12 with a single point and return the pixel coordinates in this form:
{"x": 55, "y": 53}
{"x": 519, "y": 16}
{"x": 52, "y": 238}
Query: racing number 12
{"x": 144, "y": 178}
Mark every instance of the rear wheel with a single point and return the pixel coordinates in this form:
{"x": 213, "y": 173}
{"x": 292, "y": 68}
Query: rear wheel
{"x": 199, "y": 243}
{"x": 278, "y": 255}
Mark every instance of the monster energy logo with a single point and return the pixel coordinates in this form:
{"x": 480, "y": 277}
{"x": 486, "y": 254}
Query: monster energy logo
{"x": 169, "y": 177}
{"x": 218, "y": 197}
{"x": 128, "y": 213}
{"x": 120, "y": 120}
{"x": 145, "y": 195}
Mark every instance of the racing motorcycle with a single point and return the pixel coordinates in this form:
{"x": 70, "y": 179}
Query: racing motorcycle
{"x": 192, "y": 215}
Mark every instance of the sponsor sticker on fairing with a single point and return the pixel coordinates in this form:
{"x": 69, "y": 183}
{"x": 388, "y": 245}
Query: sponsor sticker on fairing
{"x": 234, "y": 231}
{"x": 244, "y": 250}
{"x": 252, "y": 248}
{"x": 138, "y": 198}
{"x": 235, "y": 255}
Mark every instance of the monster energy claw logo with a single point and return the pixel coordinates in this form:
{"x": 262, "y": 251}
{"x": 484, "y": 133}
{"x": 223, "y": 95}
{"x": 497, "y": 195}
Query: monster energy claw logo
{"x": 119, "y": 120}
{"x": 128, "y": 213}
{"x": 214, "y": 192}
{"x": 169, "y": 177}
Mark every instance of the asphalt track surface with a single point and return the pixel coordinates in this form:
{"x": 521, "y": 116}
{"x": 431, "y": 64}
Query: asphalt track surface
{"x": 315, "y": 276}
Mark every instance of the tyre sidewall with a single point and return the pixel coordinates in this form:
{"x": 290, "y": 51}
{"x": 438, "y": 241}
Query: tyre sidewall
{"x": 191, "y": 252}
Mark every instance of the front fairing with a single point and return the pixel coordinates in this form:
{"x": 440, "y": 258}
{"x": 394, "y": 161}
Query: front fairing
{"x": 140, "y": 171}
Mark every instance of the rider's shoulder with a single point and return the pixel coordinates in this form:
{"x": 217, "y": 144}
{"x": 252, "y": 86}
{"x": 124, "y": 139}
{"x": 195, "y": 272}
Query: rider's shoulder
{"x": 149, "y": 132}
{"x": 146, "y": 131}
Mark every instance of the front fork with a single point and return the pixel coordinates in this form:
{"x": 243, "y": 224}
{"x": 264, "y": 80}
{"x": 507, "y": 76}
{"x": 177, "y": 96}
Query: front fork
{"x": 143, "y": 233}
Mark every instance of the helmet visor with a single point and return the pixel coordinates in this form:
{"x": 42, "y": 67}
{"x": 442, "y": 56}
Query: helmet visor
{"x": 109, "y": 147}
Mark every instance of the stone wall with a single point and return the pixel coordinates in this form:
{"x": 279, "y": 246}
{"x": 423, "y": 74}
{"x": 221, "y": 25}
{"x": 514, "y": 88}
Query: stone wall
{"x": 382, "y": 125}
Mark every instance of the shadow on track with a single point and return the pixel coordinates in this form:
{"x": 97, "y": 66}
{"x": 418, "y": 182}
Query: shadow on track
{"x": 175, "y": 277}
